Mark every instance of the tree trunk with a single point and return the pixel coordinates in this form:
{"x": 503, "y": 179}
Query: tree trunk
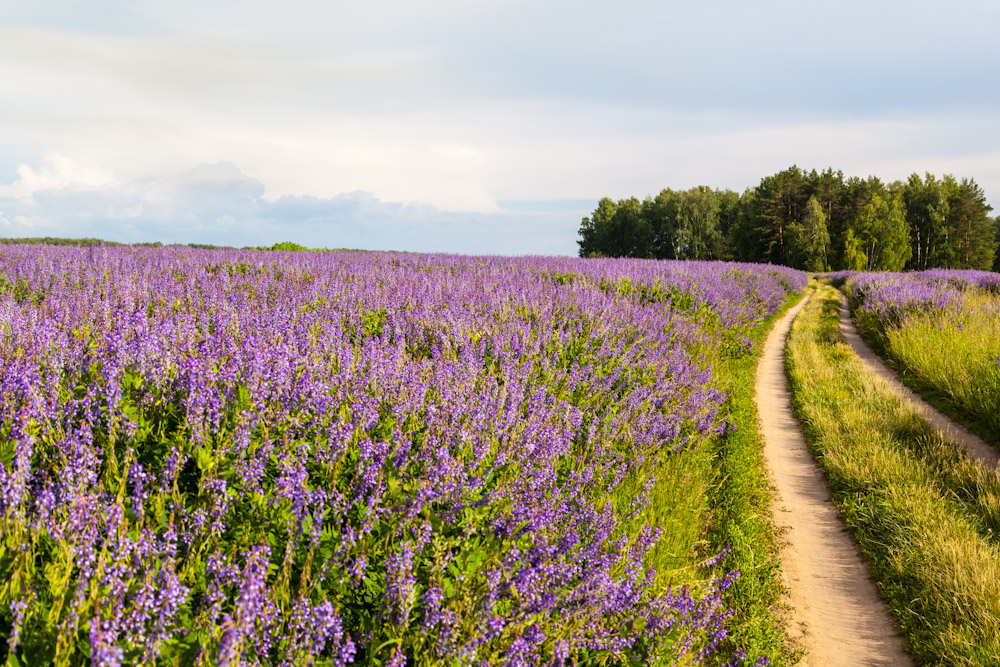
{"x": 968, "y": 235}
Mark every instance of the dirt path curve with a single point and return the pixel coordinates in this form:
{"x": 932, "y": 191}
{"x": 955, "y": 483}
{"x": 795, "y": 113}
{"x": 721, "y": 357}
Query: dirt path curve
{"x": 837, "y": 612}
{"x": 977, "y": 448}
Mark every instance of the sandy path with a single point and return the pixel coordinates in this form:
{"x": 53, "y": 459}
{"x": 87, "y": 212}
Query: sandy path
{"x": 977, "y": 448}
{"x": 837, "y": 612}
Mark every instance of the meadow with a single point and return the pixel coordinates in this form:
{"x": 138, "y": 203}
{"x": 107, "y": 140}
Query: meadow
{"x": 941, "y": 330}
{"x": 255, "y": 458}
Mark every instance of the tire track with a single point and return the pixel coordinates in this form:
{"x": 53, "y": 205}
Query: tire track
{"x": 977, "y": 448}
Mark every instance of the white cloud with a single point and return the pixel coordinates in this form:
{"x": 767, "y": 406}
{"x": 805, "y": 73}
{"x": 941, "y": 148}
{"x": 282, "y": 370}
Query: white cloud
{"x": 58, "y": 172}
{"x": 217, "y": 203}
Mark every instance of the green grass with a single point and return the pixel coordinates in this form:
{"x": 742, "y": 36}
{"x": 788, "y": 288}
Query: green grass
{"x": 952, "y": 358}
{"x": 925, "y": 516}
{"x": 740, "y": 518}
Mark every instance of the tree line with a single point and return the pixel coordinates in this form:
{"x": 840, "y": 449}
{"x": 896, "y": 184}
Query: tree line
{"x": 90, "y": 242}
{"x": 815, "y": 221}
{"x": 93, "y": 242}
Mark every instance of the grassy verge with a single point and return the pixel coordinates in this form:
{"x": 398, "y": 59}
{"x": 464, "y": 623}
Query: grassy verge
{"x": 951, "y": 358}
{"x": 741, "y": 519}
{"x": 925, "y": 516}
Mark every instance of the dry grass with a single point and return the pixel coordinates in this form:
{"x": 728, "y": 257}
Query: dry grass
{"x": 925, "y": 515}
{"x": 953, "y": 353}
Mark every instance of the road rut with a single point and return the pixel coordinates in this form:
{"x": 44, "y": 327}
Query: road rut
{"x": 976, "y": 446}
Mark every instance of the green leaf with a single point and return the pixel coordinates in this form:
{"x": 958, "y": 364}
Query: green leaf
{"x": 203, "y": 458}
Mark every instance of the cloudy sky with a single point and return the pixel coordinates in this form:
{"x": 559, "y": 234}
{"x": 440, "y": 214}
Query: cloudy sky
{"x": 465, "y": 126}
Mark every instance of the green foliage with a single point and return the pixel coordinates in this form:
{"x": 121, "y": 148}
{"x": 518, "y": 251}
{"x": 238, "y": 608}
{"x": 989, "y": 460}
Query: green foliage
{"x": 22, "y": 291}
{"x": 673, "y": 225}
{"x": 970, "y": 228}
{"x": 880, "y": 231}
{"x": 596, "y": 231}
{"x": 996, "y": 242}
{"x": 814, "y": 220}
{"x": 288, "y": 245}
{"x": 926, "y": 212}
{"x": 809, "y": 240}
{"x": 780, "y": 202}
{"x": 854, "y": 258}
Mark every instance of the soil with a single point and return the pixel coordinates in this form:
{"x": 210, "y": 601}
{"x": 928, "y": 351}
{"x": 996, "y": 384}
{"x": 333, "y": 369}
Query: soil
{"x": 976, "y": 446}
{"x": 836, "y": 614}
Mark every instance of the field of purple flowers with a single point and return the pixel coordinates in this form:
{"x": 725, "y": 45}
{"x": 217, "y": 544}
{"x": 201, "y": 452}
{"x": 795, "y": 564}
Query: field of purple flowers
{"x": 255, "y": 458}
{"x": 892, "y": 296}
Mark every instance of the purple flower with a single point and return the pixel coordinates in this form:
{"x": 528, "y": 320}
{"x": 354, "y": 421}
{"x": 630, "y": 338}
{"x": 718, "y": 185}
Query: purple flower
{"x": 319, "y": 454}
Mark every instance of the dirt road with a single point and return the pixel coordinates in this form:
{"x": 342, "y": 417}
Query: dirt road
{"x": 837, "y": 614}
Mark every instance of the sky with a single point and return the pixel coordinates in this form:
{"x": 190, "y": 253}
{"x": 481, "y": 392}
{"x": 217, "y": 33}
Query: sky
{"x": 465, "y": 126}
